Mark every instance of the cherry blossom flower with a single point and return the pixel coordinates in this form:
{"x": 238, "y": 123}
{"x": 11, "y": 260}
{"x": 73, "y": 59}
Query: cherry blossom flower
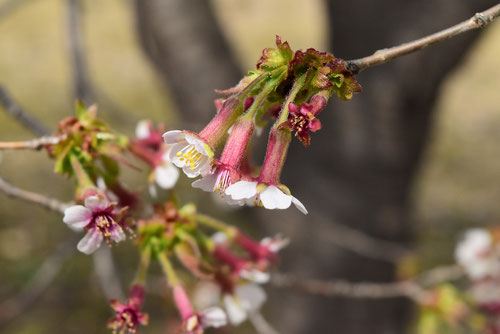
{"x": 303, "y": 119}
{"x": 193, "y": 152}
{"x": 197, "y": 322}
{"x": 477, "y": 254}
{"x": 239, "y": 301}
{"x": 189, "y": 152}
{"x": 246, "y": 299}
{"x": 99, "y": 218}
{"x": 128, "y": 317}
{"x": 226, "y": 170}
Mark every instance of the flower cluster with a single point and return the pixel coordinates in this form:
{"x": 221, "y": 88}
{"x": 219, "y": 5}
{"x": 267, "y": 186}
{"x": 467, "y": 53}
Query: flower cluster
{"x": 287, "y": 88}
{"x": 291, "y": 87}
{"x": 234, "y": 264}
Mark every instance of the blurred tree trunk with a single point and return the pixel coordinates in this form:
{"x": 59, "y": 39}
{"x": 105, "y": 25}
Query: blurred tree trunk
{"x": 193, "y": 58}
{"x": 361, "y": 167}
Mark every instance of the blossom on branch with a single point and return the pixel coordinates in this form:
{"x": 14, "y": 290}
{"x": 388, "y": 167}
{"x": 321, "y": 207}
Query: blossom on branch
{"x": 128, "y": 316}
{"x": 100, "y": 218}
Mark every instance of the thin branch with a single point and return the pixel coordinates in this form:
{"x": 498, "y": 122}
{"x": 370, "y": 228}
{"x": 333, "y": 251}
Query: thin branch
{"x": 414, "y": 289}
{"x": 28, "y": 196}
{"x": 33, "y": 144}
{"x": 382, "y": 56}
{"x": 363, "y": 244}
{"x": 16, "y": 111}
{"x": 82, "y": 84}
{"x": 41, "y": 280}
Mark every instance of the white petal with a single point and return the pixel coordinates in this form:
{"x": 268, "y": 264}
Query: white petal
{"x": 174, "y": 136}
{"x": 242, "y": 190}
{"x": 298, "y": 204}
{"x": 118, "y": 235}
{"x": 142, "y": 130}
{"x": 273, "y": 198}
{"x": 172, "y": 153}
{"x": 206, "y": 183}
{"x": 90, "y": 242}
{"x": 201, "y": 169}
{"x": 213, "y": 317}
{"x": 96, "y": 203}
{"x": 220, "y": 238}
{"x": 199, "y": 144}
{"x": 77, "y": 216}
{"x": 166, "y": 176}
{"x": 235, "y": 311}
{"x": 251, "y": 296}
{"x": 276, "y": 243}
{"x": 166, "y": 155}
{"x": 255, "y": 275}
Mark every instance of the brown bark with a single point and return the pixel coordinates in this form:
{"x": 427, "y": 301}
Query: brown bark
{"x": 193, "y": 58}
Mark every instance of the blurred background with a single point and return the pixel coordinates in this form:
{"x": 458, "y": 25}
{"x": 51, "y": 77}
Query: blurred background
{"x": 413, "y": 160}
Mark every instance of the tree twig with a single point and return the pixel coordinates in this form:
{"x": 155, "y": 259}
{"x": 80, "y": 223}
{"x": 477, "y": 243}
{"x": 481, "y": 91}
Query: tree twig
{"x": 382, "y": 56}
{"x": 33, "y": 144}
{"x": 363, "y": 244}
{"x": 81, "y": 80}
{"x": 414, "y": 289}
{"x": 29, "y": 196}
{"x": 16, "y": 111}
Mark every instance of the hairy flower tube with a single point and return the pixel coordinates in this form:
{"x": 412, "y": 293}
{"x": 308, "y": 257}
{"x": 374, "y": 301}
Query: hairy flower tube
{"x": 128, "y": 316}
{"x": 266, "y": 190}
{"x": 99, "y": 218}
{"x": 150, "y": 147}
